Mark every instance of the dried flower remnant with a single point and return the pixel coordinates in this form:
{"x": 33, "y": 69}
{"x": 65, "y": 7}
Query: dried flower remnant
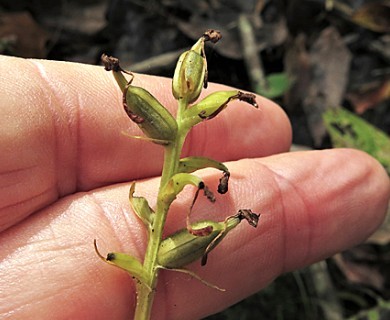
{"x": 212, "y": 35}
{"x": 224, "y": 183}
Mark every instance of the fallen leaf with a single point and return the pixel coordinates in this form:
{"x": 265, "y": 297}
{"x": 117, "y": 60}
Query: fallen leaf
{"x": 374, "y": 16}
{"x": 29, "y": 38}
{"x": 365, "y": 264}
{"x": 329, "y": 69}
{"x": 297, "y": 67}
{"x": 382, "y": 235}
{"x": 367, "y": 98}
{"x": 348, "y": 130}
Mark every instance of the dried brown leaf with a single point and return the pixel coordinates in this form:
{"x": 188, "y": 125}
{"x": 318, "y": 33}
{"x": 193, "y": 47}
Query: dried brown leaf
{"x": 368, "y": 98}
{"x": 29, "y": 37}
{"x": 327, "y": 77}
{"x": 297, "y": 66}
{"x": 361, "y": 272}
{"x": 374, "y": 16}
{"x": 382, "y": 235}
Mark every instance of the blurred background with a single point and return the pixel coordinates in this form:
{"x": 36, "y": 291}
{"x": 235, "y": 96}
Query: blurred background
{"x": 326, "y": 62}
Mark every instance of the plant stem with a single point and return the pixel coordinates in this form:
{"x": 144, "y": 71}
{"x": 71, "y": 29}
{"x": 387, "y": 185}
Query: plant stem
{"x": 146, "y": 291}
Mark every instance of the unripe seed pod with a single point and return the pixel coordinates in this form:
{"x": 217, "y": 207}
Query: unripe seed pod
{"x": 183, "y": 247}
{"x": 191, "y": 69}
{"x": 213, "y": 104}
{"x": 142, "y": 107}
{"x": 189, "y": 76}
{"x": 150, "y": 115}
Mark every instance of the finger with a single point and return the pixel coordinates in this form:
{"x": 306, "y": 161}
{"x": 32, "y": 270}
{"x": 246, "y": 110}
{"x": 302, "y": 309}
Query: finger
{"x": 61, "y": 132}
{"x": 313, "y": 205}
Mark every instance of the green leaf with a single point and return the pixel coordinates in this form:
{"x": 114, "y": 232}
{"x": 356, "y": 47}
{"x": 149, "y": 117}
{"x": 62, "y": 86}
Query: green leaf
{"x": 278, "y": 84}
{"x": 348, "y": 130}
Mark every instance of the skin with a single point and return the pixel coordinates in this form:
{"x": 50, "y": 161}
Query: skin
{"x": 65, "y": 169}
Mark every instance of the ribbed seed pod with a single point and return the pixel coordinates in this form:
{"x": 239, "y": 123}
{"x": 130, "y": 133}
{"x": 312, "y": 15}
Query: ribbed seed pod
{"x": 183, "y": 247}
{"x": 189, "y": 75}
{"x": 191, "y": 69}
{"x": 214, "y": 103}
{"x": 149, "y": 114}
{"x": 142, "y": 107}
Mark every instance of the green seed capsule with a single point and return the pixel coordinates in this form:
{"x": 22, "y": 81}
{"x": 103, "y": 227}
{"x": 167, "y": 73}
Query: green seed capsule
{"x": 143, "y": 108}
{"x": 213, "y": 104}
{"x": 184, "y": 247}
{"x": 191, "y": 69}
{"x": 189, "y": 75}
{"x": 149, "y": 114}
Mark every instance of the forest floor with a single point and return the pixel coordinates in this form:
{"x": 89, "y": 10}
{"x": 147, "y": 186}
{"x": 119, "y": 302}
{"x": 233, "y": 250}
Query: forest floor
{"x": 326, "y": 62}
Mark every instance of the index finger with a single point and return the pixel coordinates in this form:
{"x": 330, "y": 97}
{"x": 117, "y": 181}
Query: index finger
{"x": 61, "y": 127}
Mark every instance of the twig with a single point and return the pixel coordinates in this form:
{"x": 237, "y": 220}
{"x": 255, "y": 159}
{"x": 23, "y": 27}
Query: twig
{"x": 326, "y": 292}
{"x": 253, "y": 63}
{"x": 156, "y": 62}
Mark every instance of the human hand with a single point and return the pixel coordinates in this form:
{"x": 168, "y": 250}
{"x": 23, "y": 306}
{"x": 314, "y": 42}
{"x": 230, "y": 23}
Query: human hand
{"x": 65, "y": 168}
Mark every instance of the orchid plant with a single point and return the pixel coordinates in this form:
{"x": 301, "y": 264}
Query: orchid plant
{"x": 198, "y": 239}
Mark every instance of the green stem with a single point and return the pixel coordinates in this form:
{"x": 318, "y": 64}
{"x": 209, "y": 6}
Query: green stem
{"x": 147, "y": 290}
